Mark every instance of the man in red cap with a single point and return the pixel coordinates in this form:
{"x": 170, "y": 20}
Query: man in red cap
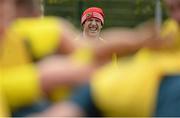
{"x": 92, "y": 21}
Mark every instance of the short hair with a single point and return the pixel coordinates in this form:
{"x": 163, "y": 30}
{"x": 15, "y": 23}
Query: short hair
{"x": 30, "y": 5}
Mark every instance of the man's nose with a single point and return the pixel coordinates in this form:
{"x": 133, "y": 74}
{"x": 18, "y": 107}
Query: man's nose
{"x": 93, "y": 22}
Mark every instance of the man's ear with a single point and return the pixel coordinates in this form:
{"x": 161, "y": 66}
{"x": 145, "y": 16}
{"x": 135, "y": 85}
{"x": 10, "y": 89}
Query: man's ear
{"x": 101, "y": 26}
{"x": 82, "y": 26}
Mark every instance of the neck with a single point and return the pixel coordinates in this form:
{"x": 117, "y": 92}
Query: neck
{"x": 85, "y": 36}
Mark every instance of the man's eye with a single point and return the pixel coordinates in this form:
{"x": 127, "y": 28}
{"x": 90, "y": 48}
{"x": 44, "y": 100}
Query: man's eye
{"x": 98, "y": 21}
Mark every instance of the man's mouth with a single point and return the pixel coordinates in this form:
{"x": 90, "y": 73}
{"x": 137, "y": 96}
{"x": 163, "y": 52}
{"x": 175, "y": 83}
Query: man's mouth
{"x": 93, "y": 29}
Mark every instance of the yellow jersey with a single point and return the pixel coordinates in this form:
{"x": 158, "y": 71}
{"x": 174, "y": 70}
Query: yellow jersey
{"x": 26, "y": 39}
{"x": 131, "y": 88}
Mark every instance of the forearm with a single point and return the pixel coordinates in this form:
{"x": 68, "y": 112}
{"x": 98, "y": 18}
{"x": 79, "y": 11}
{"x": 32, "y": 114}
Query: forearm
{"x": 60, "y": 71}
{"x": 65, "y": 109}
{"x": 120, "y": 42}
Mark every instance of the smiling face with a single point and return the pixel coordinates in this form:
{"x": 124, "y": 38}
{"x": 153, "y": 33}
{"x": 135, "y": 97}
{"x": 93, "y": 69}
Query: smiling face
{"x": 174, "y": 9}
{"x": 92, "y": 27}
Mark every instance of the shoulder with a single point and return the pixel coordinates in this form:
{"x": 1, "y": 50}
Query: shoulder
{"x": 169, "y": 26}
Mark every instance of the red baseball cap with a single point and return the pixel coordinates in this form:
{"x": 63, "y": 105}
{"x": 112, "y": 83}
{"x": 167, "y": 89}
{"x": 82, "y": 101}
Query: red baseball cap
{"x": 92, "y": 12}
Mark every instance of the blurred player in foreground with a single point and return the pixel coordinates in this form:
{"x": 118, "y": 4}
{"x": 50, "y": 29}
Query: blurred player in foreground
{"x": 146, "y": 85}
{"x": 39, "y": 79}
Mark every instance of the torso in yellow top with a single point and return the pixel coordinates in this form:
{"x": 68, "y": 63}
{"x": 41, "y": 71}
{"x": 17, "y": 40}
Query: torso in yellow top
{"x": 25, "y": 40}
{"x": 131, "y": 88}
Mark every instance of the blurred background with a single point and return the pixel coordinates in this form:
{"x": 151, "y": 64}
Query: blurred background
{"x": 117, "y": 12}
